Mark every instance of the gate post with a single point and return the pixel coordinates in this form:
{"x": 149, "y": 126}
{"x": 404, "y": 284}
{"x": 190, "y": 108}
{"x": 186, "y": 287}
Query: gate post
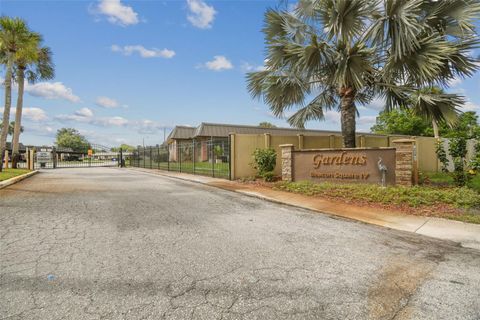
{"x": 213, "y": 159}
{"x": 150, "y": 157}
{"x": 193, "y": 142}
{"x": 54, "y": 158}
{"x": 32, "y": 159}
{"x": 121, "y": 158}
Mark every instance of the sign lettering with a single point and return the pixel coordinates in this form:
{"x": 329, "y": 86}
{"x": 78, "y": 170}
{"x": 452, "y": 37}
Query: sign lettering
{"x": 344, "y": 165}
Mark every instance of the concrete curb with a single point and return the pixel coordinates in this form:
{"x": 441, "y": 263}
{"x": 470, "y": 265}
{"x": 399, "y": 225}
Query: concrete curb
{"x": 9, "y": 182}
{"x": 466, "y": 234}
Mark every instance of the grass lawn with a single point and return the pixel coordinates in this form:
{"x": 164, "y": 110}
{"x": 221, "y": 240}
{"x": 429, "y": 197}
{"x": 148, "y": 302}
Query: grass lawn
{"x": 10, "y": 173}
{"x": 202, "y": 168}
{"x": 461, "y": 204}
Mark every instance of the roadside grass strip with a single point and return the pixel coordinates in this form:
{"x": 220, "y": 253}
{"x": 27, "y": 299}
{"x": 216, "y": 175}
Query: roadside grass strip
{"x": 11, "y": 173}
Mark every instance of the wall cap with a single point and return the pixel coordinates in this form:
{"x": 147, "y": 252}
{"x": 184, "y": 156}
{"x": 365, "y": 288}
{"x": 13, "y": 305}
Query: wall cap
{"x": 286, "y": 145}
{"x": 346, "y": 149}
{"x": 403, "y": 140}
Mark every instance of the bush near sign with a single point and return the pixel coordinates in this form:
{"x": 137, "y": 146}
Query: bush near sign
{"x": 363, "y": 165}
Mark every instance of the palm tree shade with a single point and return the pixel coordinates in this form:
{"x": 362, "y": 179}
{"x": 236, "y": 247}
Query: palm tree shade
{"x": 335, "y": 54}
{"x": 14, "y": 35}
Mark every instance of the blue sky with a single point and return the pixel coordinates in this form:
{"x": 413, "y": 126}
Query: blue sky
{"x": 127, "y": 69}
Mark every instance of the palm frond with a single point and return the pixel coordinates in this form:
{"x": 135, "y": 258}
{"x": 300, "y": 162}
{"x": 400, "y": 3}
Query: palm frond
{"x": 345, "y": 19}
{"x": 436, "y": 105}
{"x": 315, "y": 109}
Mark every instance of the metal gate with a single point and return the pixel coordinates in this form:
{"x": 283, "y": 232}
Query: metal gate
{"x": 94, "y": 156}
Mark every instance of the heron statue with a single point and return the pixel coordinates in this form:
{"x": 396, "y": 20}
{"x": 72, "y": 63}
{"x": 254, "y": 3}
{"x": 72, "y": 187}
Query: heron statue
{"x": 383, "y": 169}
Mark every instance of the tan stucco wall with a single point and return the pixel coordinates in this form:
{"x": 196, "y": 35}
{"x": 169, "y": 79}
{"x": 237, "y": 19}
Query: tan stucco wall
{"x": 310, "y": 142}
{"x": 426, "y": 155}
{"x": 243, "y": 146}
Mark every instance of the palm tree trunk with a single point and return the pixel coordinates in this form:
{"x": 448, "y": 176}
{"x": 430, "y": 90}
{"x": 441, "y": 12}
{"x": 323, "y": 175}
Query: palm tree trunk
{"x": 348, "y": 113}
{"x": 18, "y": 118}
{"x": 436, "y": 133}
{"x": 6, "y": 110}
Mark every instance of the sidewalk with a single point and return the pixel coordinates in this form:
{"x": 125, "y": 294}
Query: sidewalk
{"x": 468, "y": 235}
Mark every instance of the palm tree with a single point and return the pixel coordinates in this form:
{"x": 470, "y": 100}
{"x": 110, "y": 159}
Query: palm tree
{"x": 339, "y": 53}
{"x": 36, "y": 63}
{"x": 14, "y": 34}
{"x": 429, "y": 104}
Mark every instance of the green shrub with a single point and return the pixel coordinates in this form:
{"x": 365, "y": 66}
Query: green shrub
{"x": 264, "y": 160}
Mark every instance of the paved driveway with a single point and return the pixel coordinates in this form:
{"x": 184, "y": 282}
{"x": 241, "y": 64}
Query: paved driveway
{"x": 105, "y": 243}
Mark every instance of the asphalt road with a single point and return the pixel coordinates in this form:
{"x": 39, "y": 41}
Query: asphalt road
{"x": 105, "y": 243}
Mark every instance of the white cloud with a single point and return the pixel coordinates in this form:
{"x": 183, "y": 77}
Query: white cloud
{"x": 332, "y": 116}
{"x": 455, "y": 82}
{"x": 201, "y": 15}
{"x": 377, "y": 104}
{"x": 470, "y": 106}
{"x": 147, "y": 126}
{"x": 34, "y": 114}
{"x": 117, "y": 13}
{"x": 40, "y": 130}
{"x": 106, "y": 102}
{"x": 219, "y": 63}
{"x": 247, "y": 67}
{"x": 51, "y": 90}
{"x": 84, "y": 112}
{"x": 113, "y": 121}
{"x": 144, "y": 52}
{"x": 85, "y": 115}
{"x": 366, "y": 120}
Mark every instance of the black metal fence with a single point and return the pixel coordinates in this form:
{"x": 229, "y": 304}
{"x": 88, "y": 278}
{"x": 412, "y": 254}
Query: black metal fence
{"x": 209, "y": 157}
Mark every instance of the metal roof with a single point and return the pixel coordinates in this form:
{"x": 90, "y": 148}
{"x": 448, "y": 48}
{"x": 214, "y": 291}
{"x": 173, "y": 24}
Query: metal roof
{"x": 181, "y": 132}
{"x": 223, "y": 130}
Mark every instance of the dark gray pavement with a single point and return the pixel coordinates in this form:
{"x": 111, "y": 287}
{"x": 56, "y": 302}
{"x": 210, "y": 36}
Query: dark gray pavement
{"x": 106, "y": 243}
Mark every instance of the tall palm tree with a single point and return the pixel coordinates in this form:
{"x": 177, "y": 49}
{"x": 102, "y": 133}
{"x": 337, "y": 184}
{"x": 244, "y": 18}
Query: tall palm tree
{"x": 34, "y": 63}
{"x": 338, "y": 53}
{"x": 14, "y": 34}
{"x": 430, "y": 104}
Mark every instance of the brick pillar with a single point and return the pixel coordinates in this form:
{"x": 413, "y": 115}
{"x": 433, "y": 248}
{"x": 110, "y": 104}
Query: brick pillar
{"x": 404, "y": 168}
{"x": 287, "y": 161}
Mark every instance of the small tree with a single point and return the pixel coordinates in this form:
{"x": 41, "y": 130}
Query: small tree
{"x": 71, "y": 138}
{"x": 401, "y": 121}
{"x": 218, "y": 151}
{"x": 266, "y": 124}
{"x": 442, "y": 155}
{"x": 458, "y": 151}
